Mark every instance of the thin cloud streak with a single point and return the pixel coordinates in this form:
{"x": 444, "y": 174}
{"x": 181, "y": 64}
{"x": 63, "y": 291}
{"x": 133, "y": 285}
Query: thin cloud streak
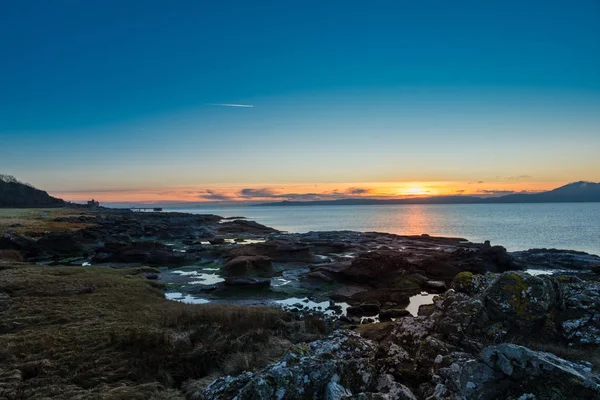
{"x": 231, "y": 105}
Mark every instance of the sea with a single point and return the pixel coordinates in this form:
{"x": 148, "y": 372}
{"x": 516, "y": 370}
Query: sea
{"x": 571, "y": 226}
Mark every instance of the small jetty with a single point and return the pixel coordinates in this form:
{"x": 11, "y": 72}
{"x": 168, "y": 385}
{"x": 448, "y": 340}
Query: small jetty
{"x": 147, "y": 209}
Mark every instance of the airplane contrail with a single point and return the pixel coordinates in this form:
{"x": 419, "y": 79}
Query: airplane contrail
{"x": 231, "y": 105}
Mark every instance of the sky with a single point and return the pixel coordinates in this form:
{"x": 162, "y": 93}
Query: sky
{"x": 168, "y": 101}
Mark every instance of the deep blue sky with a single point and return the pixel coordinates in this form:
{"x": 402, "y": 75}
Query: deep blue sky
{"x": 95, "y": 94}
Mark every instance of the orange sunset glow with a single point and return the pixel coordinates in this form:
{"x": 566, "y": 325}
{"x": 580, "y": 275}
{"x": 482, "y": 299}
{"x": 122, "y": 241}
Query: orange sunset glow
{"x": 321, "y": 191}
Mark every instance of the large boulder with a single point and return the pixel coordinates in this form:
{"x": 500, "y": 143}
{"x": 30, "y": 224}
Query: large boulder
{"x": 248, "y": 265}
{"x": 522, "y": 300}
{"x": 496, "y": 306}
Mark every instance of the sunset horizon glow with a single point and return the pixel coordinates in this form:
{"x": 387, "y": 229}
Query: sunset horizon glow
{"x": 305, "y": 192}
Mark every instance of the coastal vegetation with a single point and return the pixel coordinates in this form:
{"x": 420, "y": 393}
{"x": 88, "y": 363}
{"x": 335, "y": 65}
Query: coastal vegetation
{"x": 37, "y": 221}
{"x": 14, "y": 193}
{"x": 80, "y": 332}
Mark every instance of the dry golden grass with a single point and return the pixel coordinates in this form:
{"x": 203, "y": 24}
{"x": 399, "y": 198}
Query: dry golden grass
{"x": 101, "y": 333}
{"x": 39, "y": 220}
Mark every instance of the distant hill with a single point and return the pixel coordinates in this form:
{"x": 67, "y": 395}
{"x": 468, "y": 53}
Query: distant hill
{"x": 573, "y": 192}
{"x": 18, "y": 194}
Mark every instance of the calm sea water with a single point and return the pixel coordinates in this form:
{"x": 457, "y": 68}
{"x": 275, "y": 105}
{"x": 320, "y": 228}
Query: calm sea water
{"x": 574, "y": 226}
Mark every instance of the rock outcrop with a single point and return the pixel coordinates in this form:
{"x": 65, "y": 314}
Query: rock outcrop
{"x": 556, "y": 259}
{"x": 450, "y": 353}
{"x": 278, "y": 250}
{"x": 341, "y": 366}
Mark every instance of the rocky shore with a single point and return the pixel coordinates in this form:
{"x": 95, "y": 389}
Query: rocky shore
{"x": 468, "y": 345}
{"x": 403, "y": 317}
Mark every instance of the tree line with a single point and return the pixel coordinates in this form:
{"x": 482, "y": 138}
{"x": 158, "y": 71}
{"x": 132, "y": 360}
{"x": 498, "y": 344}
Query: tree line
{"x": 14, "y": 193}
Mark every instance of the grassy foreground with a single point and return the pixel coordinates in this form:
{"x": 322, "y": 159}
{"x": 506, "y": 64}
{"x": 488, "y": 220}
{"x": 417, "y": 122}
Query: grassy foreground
{"x": 102, "y": 333}
{"x": 32, "y": 221}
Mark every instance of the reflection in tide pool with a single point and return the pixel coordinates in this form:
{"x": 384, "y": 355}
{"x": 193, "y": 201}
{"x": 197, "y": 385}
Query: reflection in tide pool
{"x": 312, "y": 305}
{"x": 305, "y": 303}
{"x": 201, "y": 278}
{"x": 187, "y": 299}
{"x": 418, "y": 301}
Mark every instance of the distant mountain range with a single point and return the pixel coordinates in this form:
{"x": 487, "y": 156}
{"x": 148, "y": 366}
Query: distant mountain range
{"x": 18, "y": 194}
{"x": 573, "y": 192}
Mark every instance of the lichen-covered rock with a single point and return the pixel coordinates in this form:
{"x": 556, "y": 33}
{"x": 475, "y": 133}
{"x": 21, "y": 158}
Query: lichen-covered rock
{"x": 342, "y": 362}
{"x": 469, "y": 283}
{"x": 522, "y": 300}
{"x": 410, "y": 332}
{"x": 508, "y": 371}
{"x": 541, "y": 371}
{"x": 581, "y": 324}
